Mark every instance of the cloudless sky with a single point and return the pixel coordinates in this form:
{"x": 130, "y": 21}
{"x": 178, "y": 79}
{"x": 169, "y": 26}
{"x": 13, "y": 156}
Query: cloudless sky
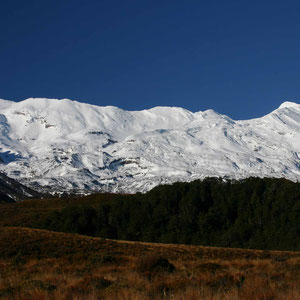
{"x": 240, "y": 58}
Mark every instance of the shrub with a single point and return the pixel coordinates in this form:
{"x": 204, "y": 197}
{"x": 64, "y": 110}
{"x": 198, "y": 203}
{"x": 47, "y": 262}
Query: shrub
{"x": 101, "y": 259}
{"x": 90, "y": 282}
{"x": 211, "y": 267}
{"x": 18, "y": 260}
{"x": 153, "y": 264}
{"x": 37, "y": 284}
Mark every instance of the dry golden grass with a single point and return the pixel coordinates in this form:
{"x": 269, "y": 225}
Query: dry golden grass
{"x": 38, "y": 264}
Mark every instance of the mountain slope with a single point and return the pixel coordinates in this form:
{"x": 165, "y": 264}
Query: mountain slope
{"x": 67, "y": 145}
{"x": 11, "y": 190}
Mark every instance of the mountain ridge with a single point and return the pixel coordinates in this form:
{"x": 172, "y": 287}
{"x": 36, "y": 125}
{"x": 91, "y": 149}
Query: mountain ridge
{"x": 55, "y": 145}
{"x": 12, "y": 191}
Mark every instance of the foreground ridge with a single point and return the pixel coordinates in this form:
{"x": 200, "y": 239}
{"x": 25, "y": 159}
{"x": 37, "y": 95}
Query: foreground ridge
{"x": 50, "y": 244}
{"x": 39, "y": 264}
{"x": 54, "y": 145}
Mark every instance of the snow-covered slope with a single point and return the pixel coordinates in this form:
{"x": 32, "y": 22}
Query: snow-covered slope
{"x": 64, "y": 145}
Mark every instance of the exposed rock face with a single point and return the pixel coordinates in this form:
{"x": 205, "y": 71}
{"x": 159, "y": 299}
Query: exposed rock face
{"x": 11, "y": 190}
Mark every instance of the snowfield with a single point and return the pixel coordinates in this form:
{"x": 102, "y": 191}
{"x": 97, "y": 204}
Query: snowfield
{"x": 63, "y": 145}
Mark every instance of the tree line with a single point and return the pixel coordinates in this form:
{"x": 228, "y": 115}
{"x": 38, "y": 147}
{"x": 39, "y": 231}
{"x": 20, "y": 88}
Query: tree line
{"x": 258, "y": 213}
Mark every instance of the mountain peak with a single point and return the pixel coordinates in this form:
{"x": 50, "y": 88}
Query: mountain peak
{"x": 288, "y": 104}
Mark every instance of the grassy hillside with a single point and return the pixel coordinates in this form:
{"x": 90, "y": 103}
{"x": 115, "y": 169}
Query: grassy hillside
{"x": 26, "y": 213}
{"x": 39, "y": 264}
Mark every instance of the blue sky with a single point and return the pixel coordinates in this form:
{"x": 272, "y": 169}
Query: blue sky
{"x": 240, "y": 58}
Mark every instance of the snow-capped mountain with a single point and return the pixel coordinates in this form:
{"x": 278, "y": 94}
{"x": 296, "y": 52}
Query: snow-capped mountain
{"x": 64, "y": 145}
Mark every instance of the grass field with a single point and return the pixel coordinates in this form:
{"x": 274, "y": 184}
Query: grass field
{"x": 39, "y": 264}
